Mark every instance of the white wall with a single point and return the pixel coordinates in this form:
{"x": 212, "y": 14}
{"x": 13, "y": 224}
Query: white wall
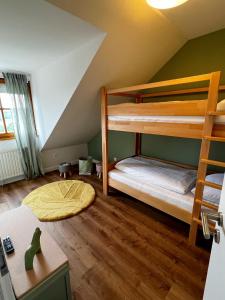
{"x": 53, "y": 157}
{"x": 7, "y": 145}
{"x": 54, "y": 85}
{"x": 55, "y": 47}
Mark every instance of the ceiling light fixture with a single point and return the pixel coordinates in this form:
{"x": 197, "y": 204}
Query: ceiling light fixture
{"x": 164, "y": 4}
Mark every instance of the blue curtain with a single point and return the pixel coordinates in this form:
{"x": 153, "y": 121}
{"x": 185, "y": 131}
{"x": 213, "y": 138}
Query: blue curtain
{"x": 24, "y": 127}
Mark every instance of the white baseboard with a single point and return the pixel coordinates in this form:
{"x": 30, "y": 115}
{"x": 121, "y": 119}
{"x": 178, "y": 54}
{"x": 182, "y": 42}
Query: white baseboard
{"x": 46, "y": 170}
{"x": 11, "y": 180}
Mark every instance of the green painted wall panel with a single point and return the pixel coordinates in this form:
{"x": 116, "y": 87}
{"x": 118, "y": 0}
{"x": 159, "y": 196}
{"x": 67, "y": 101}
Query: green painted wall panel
{"x": 121, "y": 145}
{"x": 171, "y": 148}
{"x": 201, "y": 55}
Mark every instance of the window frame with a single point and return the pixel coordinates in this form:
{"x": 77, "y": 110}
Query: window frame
{"x": 6, "y": 135}
{"x": 11, "y": 135}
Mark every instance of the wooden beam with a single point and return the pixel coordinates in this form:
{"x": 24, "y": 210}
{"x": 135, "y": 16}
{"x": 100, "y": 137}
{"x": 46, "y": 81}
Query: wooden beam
{"x": 213, "y": 162}
{"x": 216, "y": 113}
{"x": 180, "y": 92}
{"x": 182, "y": 130}
{"x": 170, "y": 108}
{"x": 211, "y": 184}
{"x": 207, "y": 204}
{"x": 104, "y": 105}
{"x": 191, "y": 79}
{"x": 169, "y": 208}
{"x": 127, "y": 95}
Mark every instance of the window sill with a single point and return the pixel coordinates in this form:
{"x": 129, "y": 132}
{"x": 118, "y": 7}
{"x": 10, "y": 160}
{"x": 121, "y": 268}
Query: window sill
{"x": 7, "y": 136}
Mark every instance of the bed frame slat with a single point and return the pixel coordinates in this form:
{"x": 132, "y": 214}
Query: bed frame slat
{"x": 171, "y": 108}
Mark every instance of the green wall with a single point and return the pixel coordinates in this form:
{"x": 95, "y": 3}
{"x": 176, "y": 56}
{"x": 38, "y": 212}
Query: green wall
{"x": 121, "y": 144}
{"x": 197, "y": 56}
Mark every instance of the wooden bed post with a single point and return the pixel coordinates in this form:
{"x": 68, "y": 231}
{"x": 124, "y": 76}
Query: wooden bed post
{"x": 104, "y": 103}
{"x": 137, "y": 143}
{"x": 138, "y": 135}
{"x": 204, "y": 153}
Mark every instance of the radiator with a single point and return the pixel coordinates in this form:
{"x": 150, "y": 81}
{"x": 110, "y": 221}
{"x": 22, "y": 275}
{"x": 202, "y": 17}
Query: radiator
{"x": 10, "y": 166}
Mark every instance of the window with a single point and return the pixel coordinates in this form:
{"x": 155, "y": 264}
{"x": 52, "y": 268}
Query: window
{"x": 6, "y": 122}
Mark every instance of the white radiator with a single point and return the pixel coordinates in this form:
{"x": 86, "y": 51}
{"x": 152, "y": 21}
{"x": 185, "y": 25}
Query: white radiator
{"x": 10, "y": 166}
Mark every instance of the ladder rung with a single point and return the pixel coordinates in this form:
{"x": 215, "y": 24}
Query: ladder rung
{"x": 211, "y": 225}
{"x": 197, "y": 221}
{"x": 214, "y": 138}
{"x": 213, "y": 162}
{"x": 207, "y": 204}
{"x": 211, "y": 184}
{"x": 216, "y": 113}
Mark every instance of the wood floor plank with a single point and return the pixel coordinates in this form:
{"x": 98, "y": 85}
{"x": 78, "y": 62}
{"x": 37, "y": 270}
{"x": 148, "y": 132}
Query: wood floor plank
{"x": 120, "y": 248}
{"x": 115, "y": 255}
{"x": 176, "y": 293}
{"x": 160, "y": 264}
{"x": 173, "y": 247}
{"x": 160, "y": 253}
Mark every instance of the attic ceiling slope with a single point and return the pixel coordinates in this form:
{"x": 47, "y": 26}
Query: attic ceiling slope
{"x": 35, "y": 33}
{"x": 54, "y": 47}
{"x": 139, "y": 42}
{"x": 198, "y": 17}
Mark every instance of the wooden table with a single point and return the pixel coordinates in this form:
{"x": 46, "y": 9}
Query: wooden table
{"x": 49, "y": 278}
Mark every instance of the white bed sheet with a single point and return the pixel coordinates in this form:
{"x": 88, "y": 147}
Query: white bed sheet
{"x": 166, "y": 119}
{"x": 185, "y": 201}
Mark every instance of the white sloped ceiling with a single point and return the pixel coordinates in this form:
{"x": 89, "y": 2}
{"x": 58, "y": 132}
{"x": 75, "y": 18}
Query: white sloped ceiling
{"x": 73, "y": 47}
{"x": 138, "y": 42}
{"x": 53, "y": 47}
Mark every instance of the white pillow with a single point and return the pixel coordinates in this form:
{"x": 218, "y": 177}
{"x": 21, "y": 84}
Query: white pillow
{"x": 167, "y": 176}
{"x": 221, "y": 105}
{"x": 211, "y": 194}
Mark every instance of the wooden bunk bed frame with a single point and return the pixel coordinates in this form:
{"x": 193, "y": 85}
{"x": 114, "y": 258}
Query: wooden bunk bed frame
{"x": 207, "y": 132}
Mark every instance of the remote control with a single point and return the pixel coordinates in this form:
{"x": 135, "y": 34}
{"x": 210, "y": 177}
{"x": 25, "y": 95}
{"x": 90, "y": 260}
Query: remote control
{"x": 8, "y": 246}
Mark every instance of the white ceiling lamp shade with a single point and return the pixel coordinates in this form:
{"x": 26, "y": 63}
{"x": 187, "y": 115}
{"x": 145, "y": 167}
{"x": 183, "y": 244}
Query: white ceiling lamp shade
{"x": 165, "y": 4}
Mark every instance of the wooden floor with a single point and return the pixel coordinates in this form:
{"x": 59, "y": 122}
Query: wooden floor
{"x": 120, "y": 248}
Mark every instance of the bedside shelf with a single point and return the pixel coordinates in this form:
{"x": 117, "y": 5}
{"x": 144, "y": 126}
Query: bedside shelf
{"x": 49, "y": 278}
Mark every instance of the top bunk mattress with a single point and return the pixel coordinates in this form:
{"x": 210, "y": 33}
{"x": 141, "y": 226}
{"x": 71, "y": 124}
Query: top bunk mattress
{"x": 165, "y": 119}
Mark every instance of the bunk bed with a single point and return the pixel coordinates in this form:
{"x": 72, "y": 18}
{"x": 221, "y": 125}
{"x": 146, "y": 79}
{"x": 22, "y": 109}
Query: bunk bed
{"x": 195, "y": 119}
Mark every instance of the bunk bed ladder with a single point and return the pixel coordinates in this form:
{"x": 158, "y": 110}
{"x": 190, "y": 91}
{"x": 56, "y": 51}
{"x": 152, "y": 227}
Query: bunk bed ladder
{"x": 204, "y": 160}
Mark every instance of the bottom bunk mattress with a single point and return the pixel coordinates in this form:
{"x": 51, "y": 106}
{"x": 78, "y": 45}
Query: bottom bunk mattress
{"x": 183, "y": 201}
{"x": 169, "y": 186}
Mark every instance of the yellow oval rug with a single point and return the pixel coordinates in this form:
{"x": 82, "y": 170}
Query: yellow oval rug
{"x": 60, "y": 199}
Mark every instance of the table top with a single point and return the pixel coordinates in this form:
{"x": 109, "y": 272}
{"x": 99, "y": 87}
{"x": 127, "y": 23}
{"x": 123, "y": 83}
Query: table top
{"x": 20, "y": 224}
